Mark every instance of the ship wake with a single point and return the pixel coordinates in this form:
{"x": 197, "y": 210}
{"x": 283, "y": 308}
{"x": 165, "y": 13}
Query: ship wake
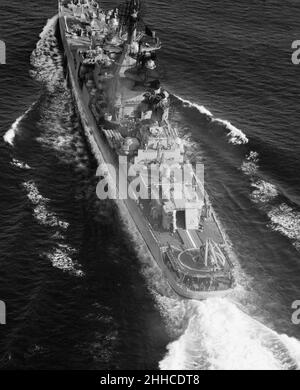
{"x": 219, "y": 336}
{"x": 284, "y": 218}
{"x": 215, "y": 334}
{"x": 46, "y": 59}
{"x": 57, "y": 135}
{"x": 61, "y": 255}
{"x": 235, "y": 135}
{"x": 10, "y": 135}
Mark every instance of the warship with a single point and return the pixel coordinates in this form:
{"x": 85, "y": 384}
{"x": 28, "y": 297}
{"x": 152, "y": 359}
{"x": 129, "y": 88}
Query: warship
{"x": 111, "y": 58}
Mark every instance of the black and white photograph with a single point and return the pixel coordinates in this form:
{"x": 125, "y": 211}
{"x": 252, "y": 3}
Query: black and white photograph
{"x": 149, "y": 188}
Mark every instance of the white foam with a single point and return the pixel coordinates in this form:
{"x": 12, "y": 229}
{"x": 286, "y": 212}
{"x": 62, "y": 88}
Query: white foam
{"x": 47, "y": 69}
{"x": 286, "y": 221}
{"x": 61, "y": 259}
{"x": 236, "y": 136}
{"x": 55, "y": 140}
{"x": 9, "y": 136}
{"x": 19, "y": 164}
{"x": 264, "y": 192}
{"x": 292, "y": 344}
{"x": 199, "y": 107}
{"x": 283, "y": 218}
{"x": 56, "y": 130}
{"x": 46, "y": 59}
{"x": 41, "y": 212}
{"x": 49, "y": 26}
{"x": 219, "y": 336}
{"x": 250, "y": 164}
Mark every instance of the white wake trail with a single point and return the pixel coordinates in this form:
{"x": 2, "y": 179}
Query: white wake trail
{"x": 9, "y": 136}
{"x": 46, "y": 59}
{"x": 236, "y": 136}
{"x": 49, "y": 26}
{"x": 61, "y": 256}
{"x": 219, "y": 336}
{"x": 47, "y": 66}
{"x": 20, "y": 164}
{"x": 283, "y": 218}
{"x": 214, "y": 334}
{"x": 200, "y": 108}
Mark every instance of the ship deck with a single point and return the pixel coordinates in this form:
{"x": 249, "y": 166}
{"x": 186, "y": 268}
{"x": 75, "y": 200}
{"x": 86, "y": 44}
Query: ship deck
{"x": 75, "y": 42}
{"x": 185, "y": 242}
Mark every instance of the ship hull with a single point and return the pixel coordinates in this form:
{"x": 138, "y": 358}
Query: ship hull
{"x": 103, "y": 154}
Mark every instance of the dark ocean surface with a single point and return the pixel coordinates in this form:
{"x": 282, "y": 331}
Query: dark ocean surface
{"x": 80, "y": 289}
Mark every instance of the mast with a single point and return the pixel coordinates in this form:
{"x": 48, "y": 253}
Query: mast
{"x": 134, "y": 8}
{"x": 129, "y": 14}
